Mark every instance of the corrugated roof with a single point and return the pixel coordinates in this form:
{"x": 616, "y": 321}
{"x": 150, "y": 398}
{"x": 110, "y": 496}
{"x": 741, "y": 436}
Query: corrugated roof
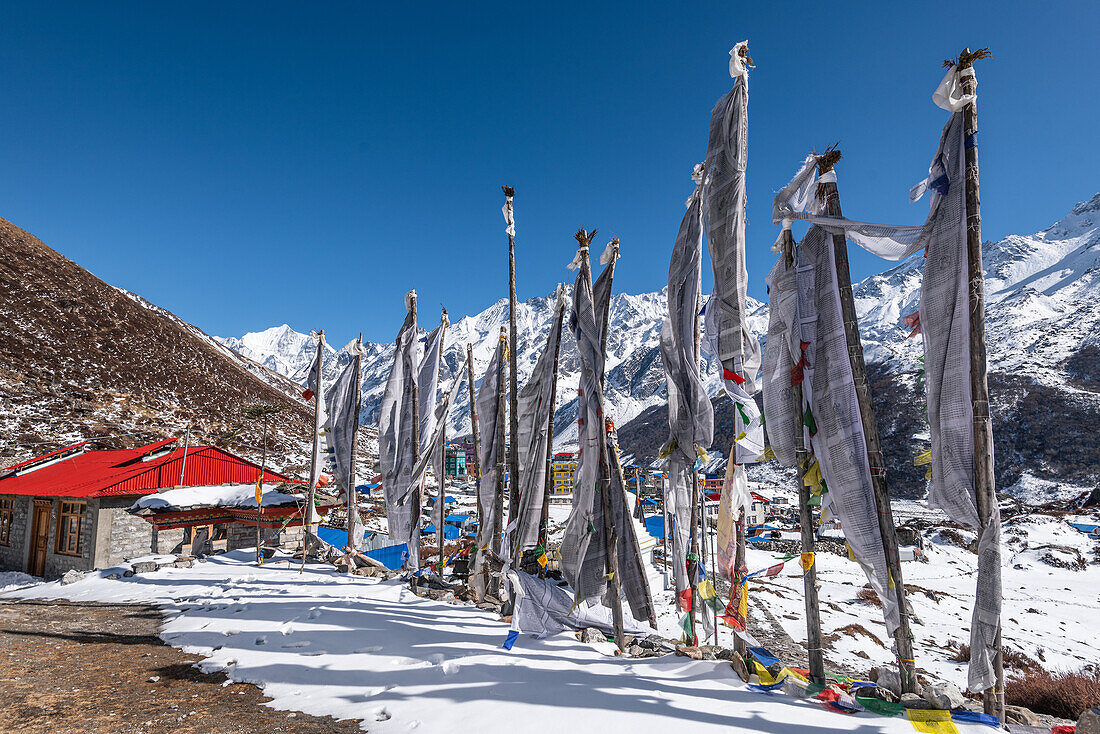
{"x": 124, "y": 472}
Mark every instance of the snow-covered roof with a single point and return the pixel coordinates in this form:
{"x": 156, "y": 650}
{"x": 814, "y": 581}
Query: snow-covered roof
{"x": 224, "y": 495}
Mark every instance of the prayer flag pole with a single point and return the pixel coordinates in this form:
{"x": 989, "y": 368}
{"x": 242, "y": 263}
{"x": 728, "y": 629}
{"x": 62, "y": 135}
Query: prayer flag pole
{"x": 584, "y": 240}
{"x": 984, "y": 479}
{"x": 513, "y": 387}
{"x": 498, "y": 490}
{"x": 441, "y": 490}
{"x": 806, "y": 520}
{"x": 473, "y": 428}
{"x": 544, "y": 523}
{"x": 827, "y": 191}
{"x": 315, "y": 457}
{"x": 693, "y": 528}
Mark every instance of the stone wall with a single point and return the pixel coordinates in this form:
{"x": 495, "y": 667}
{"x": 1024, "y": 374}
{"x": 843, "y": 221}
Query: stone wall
{"x": 243, "y": 535}
{"x": 13, "y": 557}
{"x": 131, "y": 536}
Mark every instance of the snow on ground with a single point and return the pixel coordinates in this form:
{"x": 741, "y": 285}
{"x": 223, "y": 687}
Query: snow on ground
{"x": 355, "y": 647}
{"x": 1037, "y": 491}
{"x": 15, "y": 579}
{"x": 1049, "y": 611}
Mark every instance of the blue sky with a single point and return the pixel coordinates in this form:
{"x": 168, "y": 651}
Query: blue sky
{"x": 249, "y": 164}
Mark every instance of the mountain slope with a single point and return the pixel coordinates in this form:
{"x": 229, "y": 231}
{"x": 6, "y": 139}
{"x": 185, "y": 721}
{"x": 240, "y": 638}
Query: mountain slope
{"x": 1043, "y": 333}
{"x": 80, "y": 358}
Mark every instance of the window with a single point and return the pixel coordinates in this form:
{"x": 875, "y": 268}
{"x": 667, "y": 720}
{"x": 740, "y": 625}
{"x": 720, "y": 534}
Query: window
{"x": 6, "y": 510}
{"x": 69, "y": 518}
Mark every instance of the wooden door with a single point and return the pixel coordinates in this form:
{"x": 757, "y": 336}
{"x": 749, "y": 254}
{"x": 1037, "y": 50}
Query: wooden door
{"x": 40, "y": 537}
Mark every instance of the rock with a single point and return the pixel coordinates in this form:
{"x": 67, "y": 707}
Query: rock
{"x": 1021, "y": 715}
{"x": 709, "y": 654}
{"x": 739, "y": 667}
{"x": 184, "y": 563}
{"x": 724, "y": 653}
{"x": 591, "y": 635}
{"x": 887, "y": 678}
{"x": 154, "y": 678}
{"x": 71, "y": 577}
{"x": 775, "y": 669}
{"x": 658, "y": 644}
{"x": 637, "y": 651}
{"x": 689, "y": 651}
{"x": 344, "y": 567}
{"x": 145, "y": 567}
{"x": 128, "y": 573}
{"x": 913, "y": 701}
{"x": 113, "y": 576}
{"x": 944, "y": 696}
{"x": 1089, "y": 723}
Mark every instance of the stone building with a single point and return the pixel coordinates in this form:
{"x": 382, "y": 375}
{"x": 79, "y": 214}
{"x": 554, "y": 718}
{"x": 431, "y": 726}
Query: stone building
{"x": 68, "y": 509}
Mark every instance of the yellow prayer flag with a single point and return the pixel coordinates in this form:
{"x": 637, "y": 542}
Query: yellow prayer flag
{"x": 812, "y": 477}
{"x": 259, "y": 491}
{"x": 543, "y": 560}
{"x": 806, "y": 561}
{"x": 932, "y": 722}
{"x": 706, "y": 589}
{"x": 923, "y": 458}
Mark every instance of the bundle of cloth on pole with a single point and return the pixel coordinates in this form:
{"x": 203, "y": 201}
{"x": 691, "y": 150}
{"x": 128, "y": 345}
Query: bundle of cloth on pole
{"x": 490, "y": 415}
{"x": 343, "y": 421}
{"x": 535, "y": 401}
{"x": 729, "y": 337}
{"x": 585, "y": 546}
{"x": 690, "y": 416}
{"x": 396, "y": 453}
{"x": 945, "y": 329}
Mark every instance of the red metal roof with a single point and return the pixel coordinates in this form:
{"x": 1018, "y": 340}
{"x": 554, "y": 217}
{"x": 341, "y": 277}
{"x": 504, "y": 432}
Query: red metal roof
{"x": 43, "y": 457}
{"x": 124, "y": 472}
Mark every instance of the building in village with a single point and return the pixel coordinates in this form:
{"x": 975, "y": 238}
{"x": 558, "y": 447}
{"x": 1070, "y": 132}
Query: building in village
{"x": 564, "y": 467}
{"x": 455, "y": 461}
{"x": 69, "y": 509}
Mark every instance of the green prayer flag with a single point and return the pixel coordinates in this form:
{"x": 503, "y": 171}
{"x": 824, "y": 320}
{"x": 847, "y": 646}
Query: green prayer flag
{"x": 880, "y": 707}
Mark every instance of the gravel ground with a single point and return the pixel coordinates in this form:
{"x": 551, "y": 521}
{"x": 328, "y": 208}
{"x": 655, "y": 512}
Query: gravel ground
{"x": 77, "y": 667}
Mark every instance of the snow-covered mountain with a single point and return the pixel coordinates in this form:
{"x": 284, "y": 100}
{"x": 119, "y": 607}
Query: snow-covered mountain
{"x": 1043, "y": 333}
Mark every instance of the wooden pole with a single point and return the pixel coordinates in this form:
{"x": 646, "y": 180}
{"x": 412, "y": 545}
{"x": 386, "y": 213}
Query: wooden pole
{"x": 806, "y": 520}
{"x": 414, "y": 378}
{"x": 903, "y": 637}
{"x": 441, "y": 491}
{"x": 353, "y": 499}
{"x": 498, "y": 490}
{"x": 611, "y": 537}
{"x": 693, "y": 528}
{"x": 314, "y": 454}
{"x": 513, "y": 387}
{"x": 984, "y": 478}
{"x": 260, "y": 504}
{"x": 544, "y": 523}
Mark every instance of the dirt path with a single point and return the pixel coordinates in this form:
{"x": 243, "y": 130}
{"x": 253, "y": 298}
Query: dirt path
{"x": 75, "y": 667}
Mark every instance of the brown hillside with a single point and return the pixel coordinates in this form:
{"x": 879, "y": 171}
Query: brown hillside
{"x": 80, "y": 359}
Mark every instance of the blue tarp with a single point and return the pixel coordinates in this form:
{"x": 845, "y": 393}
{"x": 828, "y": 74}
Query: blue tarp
{"x": 392, "y": 557}
{"x": 1083, "y": 527}
{"x": 649, "y": 501}
{"x": 449, "y": 500}
{"x": 457, "y": 517}
{"x": 655, "y": 526}
{"x": 758, "y": 539}
{"x": 449, "y": 531}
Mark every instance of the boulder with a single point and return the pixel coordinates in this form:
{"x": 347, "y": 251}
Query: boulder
{"x": 128, "y": 573}
{"x": 1021, "y": 715}
{"x": 71, "y": 577}
{"x": 144, "y": 566}
{"x": 184, "y": 563}
{"x": 1089, "y": 723}
{"x": 658, "y": 644}
{"x": 739, "y": 667}
{"x": 913, "y": 701}
{"x": 591, "y": 635}
{"x": 113, "y": 576}
{"x": 882, "y": 694}
{"x": 944, "y": 696}
{"x": 689, "y": 651}
{"x": 886, "y": 678}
